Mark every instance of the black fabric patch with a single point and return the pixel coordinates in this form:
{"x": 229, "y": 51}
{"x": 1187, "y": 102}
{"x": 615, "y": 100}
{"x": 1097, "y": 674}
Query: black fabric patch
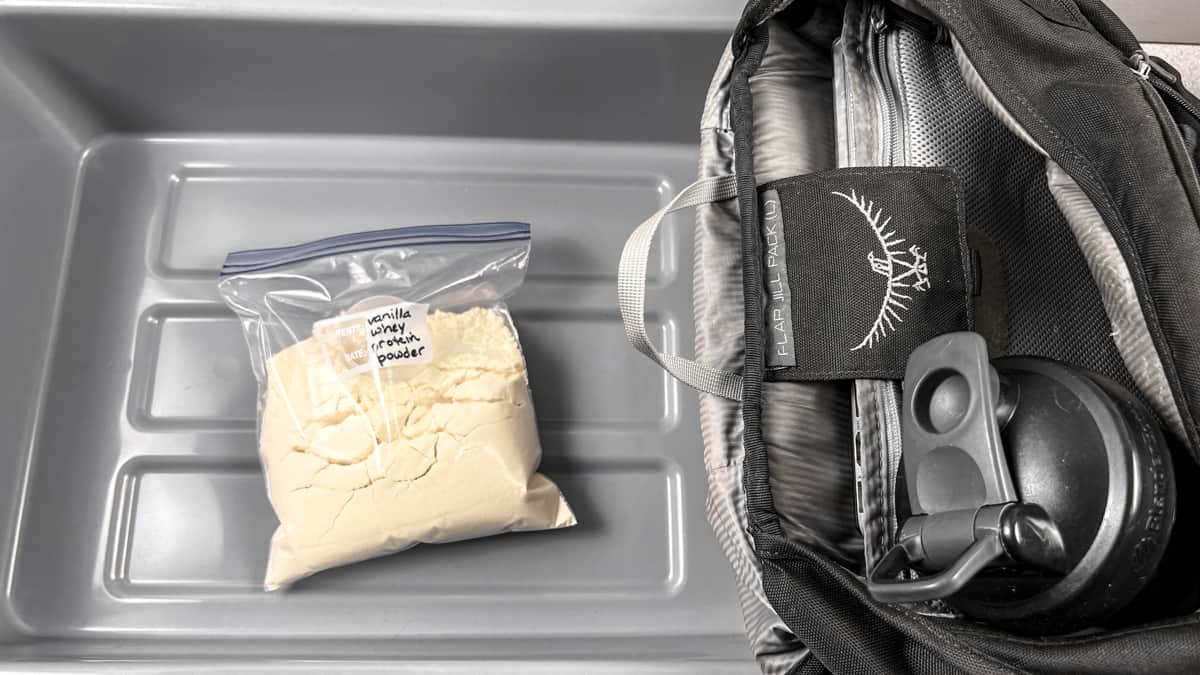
{"x": 877, "y": 263}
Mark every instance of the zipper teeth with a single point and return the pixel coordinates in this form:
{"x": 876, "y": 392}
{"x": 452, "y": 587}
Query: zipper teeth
{"x": 1174, "y": 139}
{"x": 1146, "y": 68}
{"x": 265, "y": 256}
{"x": 882, "y": 77}
{"x": 230, "y": 270}
{"x": 1164, "y": 88}
{"x": 463, "y": 230}
{"x": 893, "y": 448}
{"x": 891, "y": 71}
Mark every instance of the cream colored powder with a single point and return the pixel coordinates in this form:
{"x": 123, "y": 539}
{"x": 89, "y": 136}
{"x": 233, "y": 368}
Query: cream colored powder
{"x": 360, "y": 465}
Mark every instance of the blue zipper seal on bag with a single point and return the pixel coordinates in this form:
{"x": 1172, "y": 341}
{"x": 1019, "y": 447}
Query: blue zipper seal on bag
{"x": 263, "y": 259}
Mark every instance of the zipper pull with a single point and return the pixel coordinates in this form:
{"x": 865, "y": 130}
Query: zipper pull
{"x": 1142, "y": 64}
{"x": 879, "y": 22}
{"x": 1139, "y": 64}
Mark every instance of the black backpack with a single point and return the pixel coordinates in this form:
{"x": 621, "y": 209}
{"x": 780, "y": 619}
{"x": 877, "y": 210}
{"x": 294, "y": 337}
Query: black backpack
{"x": 875, "y": 174}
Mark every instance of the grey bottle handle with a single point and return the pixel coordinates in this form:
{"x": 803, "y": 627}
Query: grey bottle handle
{"x": 987, "y": 548}
{"x": 945, "y": 583}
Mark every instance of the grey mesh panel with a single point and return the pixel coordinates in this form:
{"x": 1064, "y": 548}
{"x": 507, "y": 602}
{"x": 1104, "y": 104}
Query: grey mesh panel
{"x": 980, "y": 91}
{"x": 719, "y": 313}
{"x": 807, "y": 434}
{"x": 1053, "y": 306}
{"x": 1105, "y": 262}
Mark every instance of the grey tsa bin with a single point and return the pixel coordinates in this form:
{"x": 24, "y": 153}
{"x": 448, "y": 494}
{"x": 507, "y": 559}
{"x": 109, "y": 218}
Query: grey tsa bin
{"x": 137, "y": 146}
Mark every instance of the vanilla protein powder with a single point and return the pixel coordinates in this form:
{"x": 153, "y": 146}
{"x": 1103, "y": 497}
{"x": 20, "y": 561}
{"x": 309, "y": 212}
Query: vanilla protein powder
{"x": 374, "y": 441}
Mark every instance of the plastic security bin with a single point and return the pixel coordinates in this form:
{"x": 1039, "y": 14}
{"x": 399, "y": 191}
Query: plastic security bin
{"x": 138, "y": 146}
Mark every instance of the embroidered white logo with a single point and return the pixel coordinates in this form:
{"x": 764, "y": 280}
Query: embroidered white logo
{"x": 904, "y": 276}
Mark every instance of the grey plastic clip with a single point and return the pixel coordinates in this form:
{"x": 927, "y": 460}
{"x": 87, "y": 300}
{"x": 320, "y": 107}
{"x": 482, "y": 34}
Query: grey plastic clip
{"x": 930, "y": 532}
{"x": 953, "y": 457}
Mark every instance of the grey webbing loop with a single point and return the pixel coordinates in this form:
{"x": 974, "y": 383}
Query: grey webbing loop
{"x": 631, "y": 290}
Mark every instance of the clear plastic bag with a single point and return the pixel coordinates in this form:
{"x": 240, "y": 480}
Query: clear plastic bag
{"x": 394, "y": 407}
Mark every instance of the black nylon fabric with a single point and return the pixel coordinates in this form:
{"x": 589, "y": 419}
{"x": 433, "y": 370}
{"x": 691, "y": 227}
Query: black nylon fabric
{"x": 858, "y": 635}
{"x": 848, "y": 632}
{"x": 1049, "y": 67}
{"x": 1106, "y": 22}
{"x": 760, "y": 507}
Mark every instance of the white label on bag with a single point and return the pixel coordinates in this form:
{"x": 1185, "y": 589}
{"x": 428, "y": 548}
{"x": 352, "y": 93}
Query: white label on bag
{"x": 398, "y": 335}
{"x": 392, "y": 335}
{"x": 781, "y": 352}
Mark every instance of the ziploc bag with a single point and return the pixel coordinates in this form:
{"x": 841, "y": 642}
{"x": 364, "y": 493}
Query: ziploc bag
{"x": 394, "y": 407}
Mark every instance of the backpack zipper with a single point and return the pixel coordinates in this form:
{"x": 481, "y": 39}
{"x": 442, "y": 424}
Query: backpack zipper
{"x": 883, "y": 23}
{"x": 262, "y": 259}
{"x": 891, "y": 137}
{"x": 1162, "y": 80}
{"x": 893, "y": 442}
{"x": 884, "y": 58}
{"x": 1158, "y": 82}
{"x": 1164, "y": 88}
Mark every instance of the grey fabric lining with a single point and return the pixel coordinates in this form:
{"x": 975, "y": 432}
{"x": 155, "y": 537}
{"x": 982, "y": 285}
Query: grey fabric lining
{"x": 717, "y": 304}
{"x": 719, "y": 312}
{"x": 716, "y": 101}
{"x": 805, "y": 426}
{"x": 775, "y": 647}
{"x": 807, "y": 433}
{"x": 858, "y": 123}
{"x": 810, "y": 460}
{"x": 1104, "y": 260}
{"x": 792, "y": 83}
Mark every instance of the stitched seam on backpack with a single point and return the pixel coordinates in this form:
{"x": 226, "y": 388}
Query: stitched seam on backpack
{"x": 948, "y": 636}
